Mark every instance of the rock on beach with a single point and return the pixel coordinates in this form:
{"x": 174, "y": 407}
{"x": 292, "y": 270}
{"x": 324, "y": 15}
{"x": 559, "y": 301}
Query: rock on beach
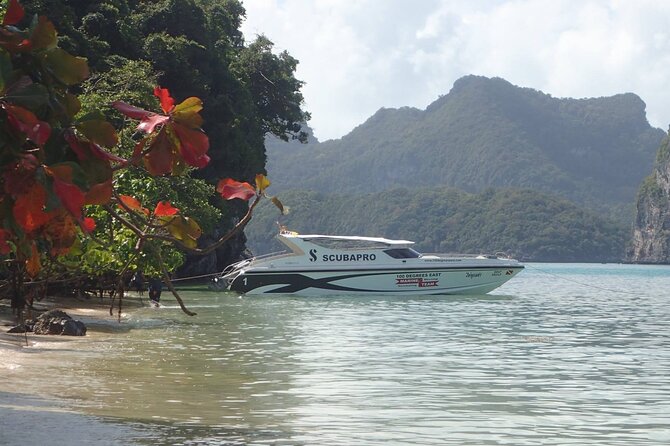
{"x": 53, "y": 322}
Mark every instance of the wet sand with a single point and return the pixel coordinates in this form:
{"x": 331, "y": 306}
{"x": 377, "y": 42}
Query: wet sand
{"x": 93, "y": 310}
{"x": 17, "y": 348}
{"x": 26, "y": 418}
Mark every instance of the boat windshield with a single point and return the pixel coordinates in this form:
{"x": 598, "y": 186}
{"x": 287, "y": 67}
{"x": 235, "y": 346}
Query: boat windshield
{"x": 402, "y": 253}
{"x": 331, "y": 243}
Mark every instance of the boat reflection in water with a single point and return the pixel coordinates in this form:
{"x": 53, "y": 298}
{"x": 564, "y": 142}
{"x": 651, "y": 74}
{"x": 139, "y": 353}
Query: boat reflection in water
{"x": 327, "y": 264}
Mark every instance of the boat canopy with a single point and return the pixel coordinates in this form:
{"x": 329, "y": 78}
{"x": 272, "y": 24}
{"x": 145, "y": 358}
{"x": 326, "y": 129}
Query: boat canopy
{"x": 347, "y": 242}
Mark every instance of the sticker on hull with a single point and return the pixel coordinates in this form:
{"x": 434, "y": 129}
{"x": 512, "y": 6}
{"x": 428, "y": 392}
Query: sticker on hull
{"x": 418, "y": 282}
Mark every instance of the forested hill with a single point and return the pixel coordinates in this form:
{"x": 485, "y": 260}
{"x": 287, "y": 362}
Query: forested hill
{"x": 525, "y": 224}
{"x": 486, "y": 133}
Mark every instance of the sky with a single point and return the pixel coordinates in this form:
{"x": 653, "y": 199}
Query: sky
{"x": 357, "y": 56}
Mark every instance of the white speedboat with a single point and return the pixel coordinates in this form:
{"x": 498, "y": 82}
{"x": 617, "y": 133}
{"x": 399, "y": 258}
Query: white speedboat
{"x": 327, "y": 264}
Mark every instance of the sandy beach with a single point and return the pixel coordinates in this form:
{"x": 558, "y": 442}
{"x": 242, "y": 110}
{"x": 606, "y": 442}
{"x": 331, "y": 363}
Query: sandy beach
{"x": 91, "y": 310}
{"x": 22, "y": 350}
{"x": 30, "y": 416}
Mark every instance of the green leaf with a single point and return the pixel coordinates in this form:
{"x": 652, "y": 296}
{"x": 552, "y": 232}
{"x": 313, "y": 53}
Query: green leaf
{"x": 187, "y": 113}
{"x": 184, "y": 229}
{"x": 97, "y": 170}
{"x": 65, "y": 67}
{"x": 32, "y": 96}
{"x": 44, "y": 35}
{"x": 280, "y": 206}
{"x": 99, "y": 131}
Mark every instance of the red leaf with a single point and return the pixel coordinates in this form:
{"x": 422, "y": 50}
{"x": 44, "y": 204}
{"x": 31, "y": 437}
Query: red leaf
{"x": 102, "y": 154}
{"x": 14, "y": 13}
{"x": 99, "y": 193}
{"x": 133, "y": 204}
{"x": 33, "y": 265}
{"x": 84, "y": 149}
{"x": 61, "y": 171}
{"x": 149, "y": 119}
{"x": 229, "y": 189}
{"x": 21, "y": 176}
{"x": 27, "y": 123}
{"x": 160, "y": 157}
{"x": 88, "y": 224}
{"x": 150, "y": 122}
{"x": 167, "y": 103}
{"x": 139, "y": 148}
{"x": 79, "y": 147}
{"x": 165, "y": 209}
{"x": 194, "y": 145}
{"x": 71, "y": 196}
{"x": 61, "y": 231}
{"x": 14, "y": 42}
{"x": 130, "y": 110}
{"x": 28, "y": 208}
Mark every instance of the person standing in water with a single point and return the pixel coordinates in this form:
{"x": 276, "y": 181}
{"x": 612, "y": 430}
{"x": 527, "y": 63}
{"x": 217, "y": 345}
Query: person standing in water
{"x": 155, "y": 288}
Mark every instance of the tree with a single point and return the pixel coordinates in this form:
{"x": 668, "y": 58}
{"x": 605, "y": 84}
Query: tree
{"x": 193, "y": 48}
{"x": 60, "y": 165}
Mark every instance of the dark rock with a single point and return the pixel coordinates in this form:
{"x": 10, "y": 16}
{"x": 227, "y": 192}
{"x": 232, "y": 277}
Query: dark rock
{"x": 230, "y": 252}
{"x": 27, "y": 326}
{"x": 58, "y": 322}
{"x": 73, "y": 328}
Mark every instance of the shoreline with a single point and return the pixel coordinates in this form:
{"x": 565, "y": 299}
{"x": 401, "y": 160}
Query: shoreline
{"x": 33, "y": 417}
{"x": 93, "y": 312}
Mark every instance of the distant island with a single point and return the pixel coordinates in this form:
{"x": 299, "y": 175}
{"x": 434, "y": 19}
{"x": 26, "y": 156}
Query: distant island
{"x": 486, "y": 136}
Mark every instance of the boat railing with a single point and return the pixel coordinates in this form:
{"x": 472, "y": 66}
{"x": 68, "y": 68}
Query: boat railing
{"x": 272, "y": 254}
{"x": 497, "y": 255}
{"x": 244, "y": 262}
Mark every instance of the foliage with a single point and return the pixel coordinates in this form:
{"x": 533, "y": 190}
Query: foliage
{"x": 525, "y": 224}
{"x": 194, "y": 48}
{"x": 58, "y": 165}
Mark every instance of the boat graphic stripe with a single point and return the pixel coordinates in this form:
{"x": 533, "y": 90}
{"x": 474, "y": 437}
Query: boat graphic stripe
{"x": 296, "y": 282}
{"x": 299, "y": 282}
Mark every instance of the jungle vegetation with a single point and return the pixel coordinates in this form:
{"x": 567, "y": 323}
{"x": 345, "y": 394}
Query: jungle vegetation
{"x": 88, "y": 193}
{"x": 525, "y": 224}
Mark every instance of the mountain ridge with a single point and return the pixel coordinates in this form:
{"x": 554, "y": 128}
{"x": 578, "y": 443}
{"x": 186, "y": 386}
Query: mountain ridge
{"x": 486, "y": 132}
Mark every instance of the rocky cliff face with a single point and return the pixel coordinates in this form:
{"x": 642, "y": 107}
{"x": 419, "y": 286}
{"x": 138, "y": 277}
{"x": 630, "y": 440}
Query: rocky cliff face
{"x": 651, "y": 231}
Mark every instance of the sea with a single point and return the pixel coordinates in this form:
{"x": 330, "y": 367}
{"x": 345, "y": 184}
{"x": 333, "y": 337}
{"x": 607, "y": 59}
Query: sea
{"x": 563, "y": 354}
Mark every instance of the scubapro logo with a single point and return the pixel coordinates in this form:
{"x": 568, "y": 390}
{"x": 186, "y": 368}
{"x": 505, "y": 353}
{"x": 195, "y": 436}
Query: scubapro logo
{"x": 312, "y": 255}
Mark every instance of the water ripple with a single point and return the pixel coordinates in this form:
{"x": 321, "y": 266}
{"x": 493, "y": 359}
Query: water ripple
{"x": 548, "y": 360}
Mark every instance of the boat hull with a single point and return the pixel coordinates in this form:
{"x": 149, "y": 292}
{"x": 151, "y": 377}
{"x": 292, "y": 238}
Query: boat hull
{"x": 467, "y": 280}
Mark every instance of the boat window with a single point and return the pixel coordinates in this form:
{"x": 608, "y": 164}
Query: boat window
{"x": 402, "y": 253}
{"x": 346, "y": 243}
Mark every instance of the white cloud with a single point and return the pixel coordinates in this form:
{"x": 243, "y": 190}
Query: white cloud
{"x": 357, "y": 56}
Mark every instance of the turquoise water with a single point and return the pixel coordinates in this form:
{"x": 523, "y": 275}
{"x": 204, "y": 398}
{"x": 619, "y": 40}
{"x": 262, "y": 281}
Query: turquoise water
{"x": 562, "y": 354}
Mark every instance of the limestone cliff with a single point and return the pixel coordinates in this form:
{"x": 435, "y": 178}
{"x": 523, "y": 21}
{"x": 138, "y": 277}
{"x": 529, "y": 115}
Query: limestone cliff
{"x": 651, "y": 230}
